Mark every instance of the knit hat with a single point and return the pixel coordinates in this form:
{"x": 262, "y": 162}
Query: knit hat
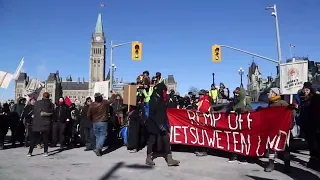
{"x": 307, "y": 85}
{"x": 98, "y": 95}
{"x": 276, "y": 90}
{"x": 32, "y": 98}
{"x": 202, "y": 92}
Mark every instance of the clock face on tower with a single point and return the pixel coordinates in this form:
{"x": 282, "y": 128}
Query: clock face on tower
{"x": 98, "y": 38}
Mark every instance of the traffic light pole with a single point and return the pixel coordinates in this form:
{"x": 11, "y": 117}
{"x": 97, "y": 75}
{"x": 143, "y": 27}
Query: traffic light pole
{"x": 250, "y": 53}
{"x": 111, "y": 59}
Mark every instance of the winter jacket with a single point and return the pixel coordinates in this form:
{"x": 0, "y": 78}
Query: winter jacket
{"x": 99, "y": 111}
{"x": 243, "y": 104}
{"x": 158, "y": 121}
{"x": 17, "y": 109}
{"x": 84, "y": 121}
{"x": 118, "y": 106}
{"x": 62, "y": 113}
{"x": 43, "y": 114}
{"x": 204, "y": 104}
{"x": 27, "y": 115}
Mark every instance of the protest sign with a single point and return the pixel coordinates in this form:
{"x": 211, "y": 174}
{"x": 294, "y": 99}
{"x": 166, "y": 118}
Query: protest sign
{"x": 293, "y": 75}
{"x": 248, "y": 134}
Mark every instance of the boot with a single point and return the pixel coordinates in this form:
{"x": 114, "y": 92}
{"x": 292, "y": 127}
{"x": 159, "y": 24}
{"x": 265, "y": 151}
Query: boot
{"x": 149, "y": 160}
{"x": 98, "y": 152}
{"x": 171, "y": 161}
{"x": 200, "y": 154}
{"x": 286, "y": 159}
{"x": 270, "y": 166}
{"x": 287, "y": 167}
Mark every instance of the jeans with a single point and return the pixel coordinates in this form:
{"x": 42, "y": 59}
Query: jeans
{"x": 100, "y": 132}
{"x": 146, "y": 109}
{"x": 89, "y": 138}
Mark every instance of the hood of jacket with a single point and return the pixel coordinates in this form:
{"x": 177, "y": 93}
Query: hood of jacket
{"x": 20, "y": 99}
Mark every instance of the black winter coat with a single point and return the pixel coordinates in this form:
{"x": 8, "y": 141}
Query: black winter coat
{"x": 158, "y": 121}
{"x": 309, "y": 113}
{"x": 42, "y": 123}
{"x": 27, "y": 114}
{"x": 62, "y": 113}
{"x": 84, "y": 121}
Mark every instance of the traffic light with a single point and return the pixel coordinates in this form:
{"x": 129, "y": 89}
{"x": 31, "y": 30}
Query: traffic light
{"x": 136, "y": 51}
{"x": 216, "y": 53}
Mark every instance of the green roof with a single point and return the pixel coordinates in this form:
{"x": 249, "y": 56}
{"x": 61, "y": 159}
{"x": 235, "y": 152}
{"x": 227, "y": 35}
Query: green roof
{"x": 99, "y": 28}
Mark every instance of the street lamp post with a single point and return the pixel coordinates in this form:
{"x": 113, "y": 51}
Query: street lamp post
{"x": 112, "y": 65}
{"x": 241, "y": 72}
{"x": 275, "y": 14}
{"x": 213, "y": 79}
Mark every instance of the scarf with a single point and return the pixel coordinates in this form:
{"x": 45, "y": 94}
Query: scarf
{"x": 275, "y": 98}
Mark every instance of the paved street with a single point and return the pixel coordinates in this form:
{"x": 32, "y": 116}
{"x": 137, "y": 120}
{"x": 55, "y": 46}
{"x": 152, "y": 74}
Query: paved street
{"x": 76, "y": 164}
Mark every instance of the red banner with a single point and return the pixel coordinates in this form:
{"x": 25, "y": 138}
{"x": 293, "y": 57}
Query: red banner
{"x": 248, "y": 133}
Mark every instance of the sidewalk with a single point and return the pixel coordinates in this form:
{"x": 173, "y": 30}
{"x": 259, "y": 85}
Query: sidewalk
{"x": 76, "y": 164}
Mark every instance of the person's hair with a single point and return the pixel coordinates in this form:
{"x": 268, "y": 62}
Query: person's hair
{"x": 98, "y": 99}
{"x": 46, "y": 95}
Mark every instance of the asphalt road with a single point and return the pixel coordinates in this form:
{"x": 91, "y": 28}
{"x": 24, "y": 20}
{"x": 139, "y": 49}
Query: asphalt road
{"x": 75, "y": 164}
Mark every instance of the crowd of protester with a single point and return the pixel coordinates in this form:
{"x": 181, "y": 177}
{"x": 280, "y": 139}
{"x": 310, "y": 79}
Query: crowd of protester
{"x": 41, "y": 122}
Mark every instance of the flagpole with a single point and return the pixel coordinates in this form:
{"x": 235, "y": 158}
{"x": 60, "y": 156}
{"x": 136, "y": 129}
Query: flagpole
{"x": 291, "y": 51}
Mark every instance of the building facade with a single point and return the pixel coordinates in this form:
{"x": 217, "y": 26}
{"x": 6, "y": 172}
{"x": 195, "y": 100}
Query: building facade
{"x": 75, "y": 90}
{"x": 171, "y": 83}
{"x": 256, "y": 84}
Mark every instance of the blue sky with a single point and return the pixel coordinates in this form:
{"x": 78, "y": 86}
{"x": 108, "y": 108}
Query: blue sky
{"x": 177, "y": 36}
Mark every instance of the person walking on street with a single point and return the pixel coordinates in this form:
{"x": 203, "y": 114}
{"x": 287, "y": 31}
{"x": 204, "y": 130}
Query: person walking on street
{"x": 158, "y": 127}
{"x": 98, "y": 113}
{"x": 87, "y": 127}
{"x": 27, "y": 118}
{"x": 43, "y": 114}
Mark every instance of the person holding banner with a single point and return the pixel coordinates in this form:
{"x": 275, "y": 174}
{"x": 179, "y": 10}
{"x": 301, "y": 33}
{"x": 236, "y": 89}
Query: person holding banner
{"x": 275, "y": 100}
{"x": 158, "y": 127}
{"x": 204, "y": 105}
{"x": 238, "y": 105}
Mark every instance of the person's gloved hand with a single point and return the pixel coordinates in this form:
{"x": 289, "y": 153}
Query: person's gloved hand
{"x": 291, "y": 106}
{"x": 259, "y": 108}
{"x": 238, "y": 110}
{"x": 228, "y": 111}
{"x": 162, "y": 128}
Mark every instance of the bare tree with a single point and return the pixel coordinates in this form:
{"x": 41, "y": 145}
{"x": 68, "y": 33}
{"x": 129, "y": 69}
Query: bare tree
{"x": 194, "y": 90}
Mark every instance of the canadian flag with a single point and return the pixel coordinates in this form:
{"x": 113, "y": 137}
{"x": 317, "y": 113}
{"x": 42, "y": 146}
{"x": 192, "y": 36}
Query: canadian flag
{"x": 291, "y": 45}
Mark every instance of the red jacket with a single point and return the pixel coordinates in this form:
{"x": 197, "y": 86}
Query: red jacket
{"x": 204, "y": 104}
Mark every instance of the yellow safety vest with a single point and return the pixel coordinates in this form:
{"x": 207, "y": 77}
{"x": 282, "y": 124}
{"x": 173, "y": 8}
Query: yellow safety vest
{"x": 147, "y": 95}
{"x": 213, "y": 94}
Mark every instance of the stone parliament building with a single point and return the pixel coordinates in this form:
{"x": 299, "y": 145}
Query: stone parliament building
{"x": 80, "y": 89}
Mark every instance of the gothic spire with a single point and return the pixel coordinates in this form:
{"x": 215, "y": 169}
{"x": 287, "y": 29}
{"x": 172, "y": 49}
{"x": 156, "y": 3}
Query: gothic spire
{"x": 99, "y": 27}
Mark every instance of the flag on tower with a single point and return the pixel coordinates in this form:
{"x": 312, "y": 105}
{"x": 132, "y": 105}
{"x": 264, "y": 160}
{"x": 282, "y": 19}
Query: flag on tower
{"x": 292, "y": 46}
